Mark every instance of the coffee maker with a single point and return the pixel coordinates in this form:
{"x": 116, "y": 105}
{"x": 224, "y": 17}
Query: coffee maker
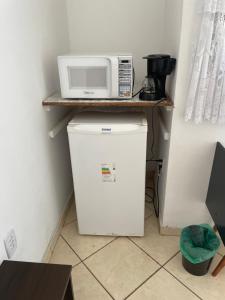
{"x": 158, "y": 67}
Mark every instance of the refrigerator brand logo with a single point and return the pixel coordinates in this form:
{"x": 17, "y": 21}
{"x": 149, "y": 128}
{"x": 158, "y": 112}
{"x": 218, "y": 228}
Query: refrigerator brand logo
{"x": 106, "y": 129}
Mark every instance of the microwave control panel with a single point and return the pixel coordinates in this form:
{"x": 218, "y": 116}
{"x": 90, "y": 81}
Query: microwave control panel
{"x": 125, "y": 77}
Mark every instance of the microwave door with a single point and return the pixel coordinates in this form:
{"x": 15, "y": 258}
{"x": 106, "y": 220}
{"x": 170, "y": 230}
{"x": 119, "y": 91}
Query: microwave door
{"x": 89, "y": 78}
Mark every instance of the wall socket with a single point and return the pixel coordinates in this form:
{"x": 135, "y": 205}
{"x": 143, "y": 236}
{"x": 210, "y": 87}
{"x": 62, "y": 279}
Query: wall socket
{"x": 10, "y": 243}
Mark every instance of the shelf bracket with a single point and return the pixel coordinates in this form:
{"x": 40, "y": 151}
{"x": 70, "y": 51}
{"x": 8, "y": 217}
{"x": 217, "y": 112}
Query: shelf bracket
{"x": 61, "y": 125}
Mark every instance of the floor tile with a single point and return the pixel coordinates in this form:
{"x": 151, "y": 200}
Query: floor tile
{"x": 83, "y": 245}
{"x": 160, "y": 247}
{"x": 71, "y": 214}
{"x": 207, "y": 287}
{"x": 157, "y": 287}
{"x": 221, "y": 250}
{"x": 121, "y": 267}
{"x": 85, "y": 286}
{"x": 63, "y": 254}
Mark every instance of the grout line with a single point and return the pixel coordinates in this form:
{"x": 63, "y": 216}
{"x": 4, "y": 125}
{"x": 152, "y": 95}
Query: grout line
{"x": 71, "y": 247}
{"x": 171, "y": 258}
{"x": 100, "y": 249}
{"x": 145, "y": 252}
{"x": 164, "y": 267}
{"x": 82, "y": 260}
{"x": 114, "y": 238}
{"x": 77, "y": 264}
{"x": 83, "y": 263}
{"x": 137, "y": 288}
{"x": 97, "y": 280}
{"x": 182, "y": 283}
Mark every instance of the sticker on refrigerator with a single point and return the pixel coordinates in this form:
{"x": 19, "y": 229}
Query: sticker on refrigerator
{"x": 108, "y": 172}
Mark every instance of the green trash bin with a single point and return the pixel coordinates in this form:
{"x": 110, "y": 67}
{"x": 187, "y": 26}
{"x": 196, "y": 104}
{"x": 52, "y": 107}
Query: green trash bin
{"x": 198, "y": 245}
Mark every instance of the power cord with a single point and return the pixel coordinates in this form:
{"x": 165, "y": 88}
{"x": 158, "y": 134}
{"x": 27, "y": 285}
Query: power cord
{"x": 154, "y": 160}
{"x": 138, "y": 92}
{"x": 151, "y": 197}
{"x": 155, "y": 197}
{"x": 148, "y": 195}
{"x": 159, "y": 101}
{"x": 153, "y": 135}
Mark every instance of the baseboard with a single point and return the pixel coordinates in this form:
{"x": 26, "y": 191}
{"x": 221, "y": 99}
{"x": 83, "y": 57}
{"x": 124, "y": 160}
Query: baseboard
{"x": 51, "y": 245}
{"x": 170, "y": 231}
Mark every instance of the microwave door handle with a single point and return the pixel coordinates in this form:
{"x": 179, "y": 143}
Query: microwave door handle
{"x": 114, "y": 77}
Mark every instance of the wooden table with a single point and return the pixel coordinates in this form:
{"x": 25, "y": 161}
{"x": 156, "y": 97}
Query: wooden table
{"x": 35, "y": 281}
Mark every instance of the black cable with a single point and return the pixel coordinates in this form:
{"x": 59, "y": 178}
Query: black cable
{"x": 149, "y": 187}
{"x": 151, "y": 201}
{"x": 151, "y": 196}
{"x": 159, "y": 101}
{"x": 133, "y": 77}
{"x": 153, "y": 135}
{"x": 155, "y": 160}
{"x": 138, "y": 92}
{"x": 156, "y": 207}
{"x": 157, "y": 191}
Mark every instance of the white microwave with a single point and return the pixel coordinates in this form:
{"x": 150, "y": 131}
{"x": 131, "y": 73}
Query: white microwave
{"x": 96, "y": 77}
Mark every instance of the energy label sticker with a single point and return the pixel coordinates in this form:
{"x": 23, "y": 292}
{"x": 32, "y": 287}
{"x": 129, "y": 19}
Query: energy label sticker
{"x": 108, "y": 172}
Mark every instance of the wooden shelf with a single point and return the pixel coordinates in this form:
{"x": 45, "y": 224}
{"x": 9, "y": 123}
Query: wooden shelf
{"x": 56, "y": 100}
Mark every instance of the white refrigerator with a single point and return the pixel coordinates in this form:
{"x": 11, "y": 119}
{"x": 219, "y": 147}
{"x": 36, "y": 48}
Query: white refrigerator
{"x": 108, "y": 157}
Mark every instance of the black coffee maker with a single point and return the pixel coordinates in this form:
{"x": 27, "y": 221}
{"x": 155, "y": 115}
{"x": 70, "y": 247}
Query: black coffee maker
{"x": 158, "y": 66}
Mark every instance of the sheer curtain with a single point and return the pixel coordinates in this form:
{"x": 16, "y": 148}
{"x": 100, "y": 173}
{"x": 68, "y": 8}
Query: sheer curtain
{"x": 206, "y": 92}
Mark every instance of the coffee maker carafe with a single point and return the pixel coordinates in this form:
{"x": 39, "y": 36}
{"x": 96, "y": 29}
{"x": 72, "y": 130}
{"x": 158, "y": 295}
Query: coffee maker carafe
{"x": 158, "y": 67}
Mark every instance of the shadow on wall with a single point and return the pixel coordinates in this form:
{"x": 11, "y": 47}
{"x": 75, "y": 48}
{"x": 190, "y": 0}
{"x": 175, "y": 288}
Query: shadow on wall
{"x": 57, "y": 148}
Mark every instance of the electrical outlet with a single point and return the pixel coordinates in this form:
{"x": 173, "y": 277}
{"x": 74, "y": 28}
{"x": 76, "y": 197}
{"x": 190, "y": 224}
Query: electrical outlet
{"x": 10, "y": 243}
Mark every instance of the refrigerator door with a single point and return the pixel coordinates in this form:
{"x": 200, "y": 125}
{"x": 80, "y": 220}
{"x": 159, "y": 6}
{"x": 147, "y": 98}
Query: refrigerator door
{"x": 109, "y": 174}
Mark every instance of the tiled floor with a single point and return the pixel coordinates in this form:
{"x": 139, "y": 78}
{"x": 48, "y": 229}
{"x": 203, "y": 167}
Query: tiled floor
{"x": 132, "y": 268}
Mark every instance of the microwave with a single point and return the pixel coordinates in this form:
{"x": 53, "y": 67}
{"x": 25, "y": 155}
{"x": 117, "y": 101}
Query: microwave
{"x": 96, "y": 76}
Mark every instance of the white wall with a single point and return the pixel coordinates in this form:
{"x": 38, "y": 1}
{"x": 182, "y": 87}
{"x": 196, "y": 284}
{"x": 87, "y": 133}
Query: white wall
{"x": 172, "y": 35}
{"x": 35, "y": 170}
{"x": 192, "y": 146}
{"x": 115, "y": 26}
{"x": 132, "y": 26}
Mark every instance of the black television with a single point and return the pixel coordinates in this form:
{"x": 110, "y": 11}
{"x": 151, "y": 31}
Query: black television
{"x": 215, "y": 200}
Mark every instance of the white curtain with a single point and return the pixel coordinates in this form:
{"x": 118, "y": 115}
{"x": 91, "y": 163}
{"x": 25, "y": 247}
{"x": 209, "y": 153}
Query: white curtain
{"x": 206, "y": 92}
